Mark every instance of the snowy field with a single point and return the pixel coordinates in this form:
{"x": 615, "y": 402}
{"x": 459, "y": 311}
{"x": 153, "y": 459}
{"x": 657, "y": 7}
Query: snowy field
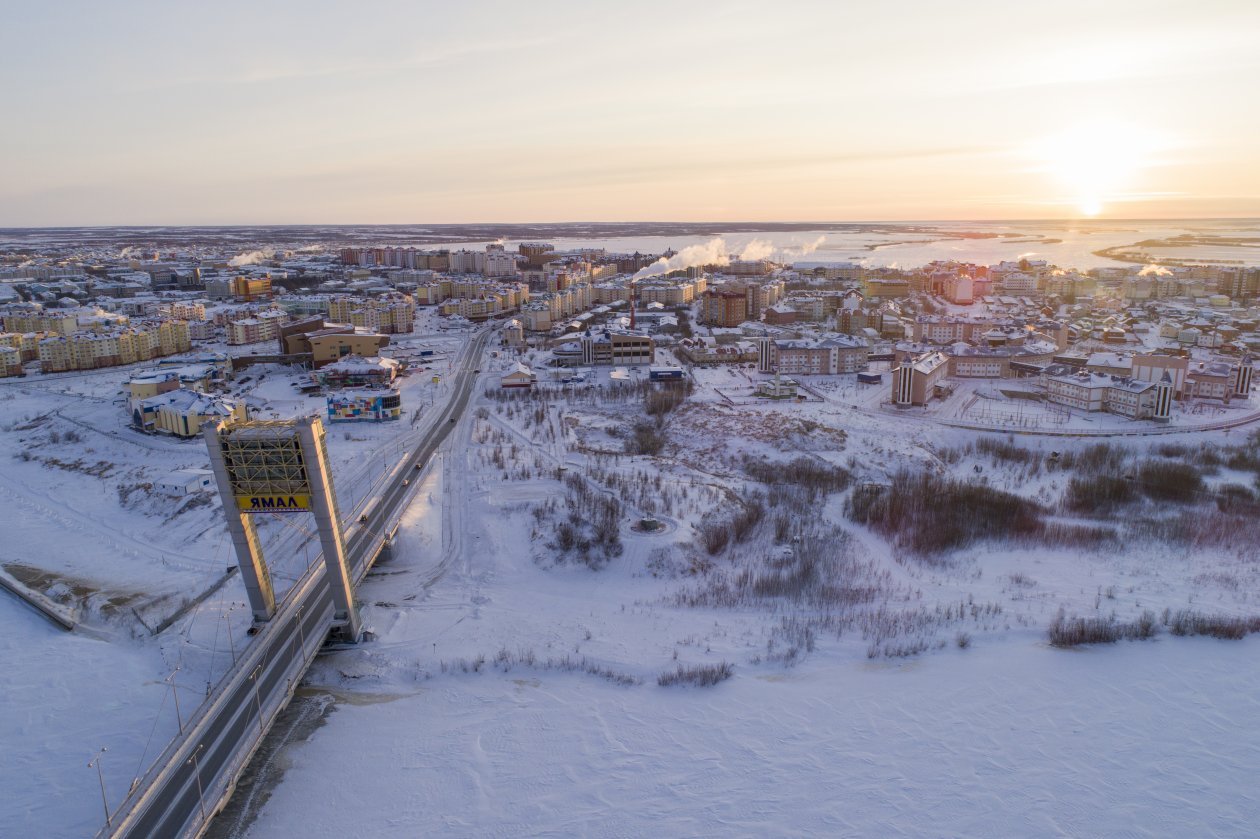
{"x": 1012, "y": 740}
{"x": 83, "y": 523}
{"x": 567, "y": 550}
{"x": 512, "y": 688}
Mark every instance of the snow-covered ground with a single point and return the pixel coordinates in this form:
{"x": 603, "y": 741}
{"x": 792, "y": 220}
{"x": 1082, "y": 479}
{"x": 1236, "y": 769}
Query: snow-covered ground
{"x": 1012, "y": 740}
{"x": 511, "y": 684}
{"x": 83, "y": 523}
{"x": 513, "y": 690}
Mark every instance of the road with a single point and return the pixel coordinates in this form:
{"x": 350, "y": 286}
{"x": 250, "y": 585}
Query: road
{"x": 196, "y": 774}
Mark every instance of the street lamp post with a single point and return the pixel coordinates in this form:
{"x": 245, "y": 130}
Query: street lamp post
{"x": 257, "y": 699}
{"x": 201, "y": 795}
{"x": 96, "y": 762}
{"x": 170, "y": 680}
{"x": 231, "y": 642}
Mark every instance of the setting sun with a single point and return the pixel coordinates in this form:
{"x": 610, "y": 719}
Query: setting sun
{"x": 1094, "y": 165}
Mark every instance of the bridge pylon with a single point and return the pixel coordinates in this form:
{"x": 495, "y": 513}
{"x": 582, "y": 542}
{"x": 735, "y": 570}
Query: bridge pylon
{"x": 280, "y": 467}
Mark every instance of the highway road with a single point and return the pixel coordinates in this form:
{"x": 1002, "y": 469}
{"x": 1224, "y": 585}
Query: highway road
{"x": 196, "y": 774}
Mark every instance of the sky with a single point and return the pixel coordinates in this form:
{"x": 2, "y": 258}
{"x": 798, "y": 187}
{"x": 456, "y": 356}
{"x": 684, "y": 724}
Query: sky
{"x": 438, "y": 112}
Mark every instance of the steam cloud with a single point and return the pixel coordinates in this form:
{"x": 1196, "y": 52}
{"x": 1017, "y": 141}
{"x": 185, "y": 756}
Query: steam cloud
{"x": 756, "y": 249}
{"x": 251, "y": 258}
{"x": 1154, "y": 270}
{"x": 712, "y": 252}
{"x": 810, "y": 247}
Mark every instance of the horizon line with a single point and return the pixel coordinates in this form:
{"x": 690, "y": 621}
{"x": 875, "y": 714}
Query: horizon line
{"x": 751, "y": 223}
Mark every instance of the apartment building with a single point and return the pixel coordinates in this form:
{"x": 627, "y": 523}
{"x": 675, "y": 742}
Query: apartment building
{"x": 55, "y": 322}
{"x": 92, "y": 350}
{"x": 183, "y": 310}
{"x": 26, "y": 343}
{"x": 264, "y": 327}
{"x": 10, "y": 361}
{"x": 827, "y": 357}
{"x": 391, "y": 315}
{"x": 724, "y": 307}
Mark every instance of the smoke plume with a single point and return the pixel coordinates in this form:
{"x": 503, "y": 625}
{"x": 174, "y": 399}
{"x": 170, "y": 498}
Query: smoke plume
{"x": 712, "y": 252}
{"x": 756, "y": 249}
{"x": 251, "y": 258}
{"x": 1154, "y": 270}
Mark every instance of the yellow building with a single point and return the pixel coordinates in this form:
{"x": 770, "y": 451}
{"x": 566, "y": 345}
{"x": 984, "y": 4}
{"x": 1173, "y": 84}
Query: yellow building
{"x": 10, "y": 361}
{"x": 182, "y": 412}
{"x": 92, "y": 350}
{"x": 57, "y": 323}
{"x": 249, "y": 289}
{"x": 329, "y": 347}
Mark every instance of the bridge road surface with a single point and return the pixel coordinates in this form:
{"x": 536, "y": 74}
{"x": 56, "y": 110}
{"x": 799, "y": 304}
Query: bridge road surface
{"x": 179, "y": 795}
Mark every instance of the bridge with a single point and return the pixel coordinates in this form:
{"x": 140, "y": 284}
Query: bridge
{"x": 197, "y": 773}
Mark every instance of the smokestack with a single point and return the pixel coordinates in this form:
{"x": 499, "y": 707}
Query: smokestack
{"x": 632, "y": 305}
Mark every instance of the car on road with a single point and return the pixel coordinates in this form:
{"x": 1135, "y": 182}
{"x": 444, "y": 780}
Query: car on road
{"x": 363, "y": 518}
{"x": 406, "y": 482}
{"x": 417, "y": 467}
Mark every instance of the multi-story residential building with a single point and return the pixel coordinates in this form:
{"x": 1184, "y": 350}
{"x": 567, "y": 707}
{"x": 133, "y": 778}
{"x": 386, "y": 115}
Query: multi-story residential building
{"x": 249, "y": 331}
{"x": 201, "y": 330}
{"x": 26, "y": 343}
{"x": 668, "y": 293}
{"x": 56, "y": 322}
{"x": 827, "y": 357}
{"x": 390, "y": 315}
{"x": 724, "y": 307}
{"x": 937, "y": 329}
{"x": 141, "y": 341}
{"x": 10, "y": 361}
{"x": 183, "y": 310}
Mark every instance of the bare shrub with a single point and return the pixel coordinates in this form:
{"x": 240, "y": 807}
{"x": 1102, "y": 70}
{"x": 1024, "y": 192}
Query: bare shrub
{"x": 714, "y": 536}
{"x": 697, "y": 675}
{"x": 926, "y": 515}
{"x": 814, "y": 475}
{"x": 1006, "y": 450}
{"x": 1098, "y": 494}
{"x": 645, "y": 439}
{"x": 1075, "y": 631}
{"x": 1187, "y": 622}
{"x": 1170, "y": 480}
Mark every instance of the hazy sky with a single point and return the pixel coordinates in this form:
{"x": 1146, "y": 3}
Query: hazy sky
{"x": 377, "y": 112}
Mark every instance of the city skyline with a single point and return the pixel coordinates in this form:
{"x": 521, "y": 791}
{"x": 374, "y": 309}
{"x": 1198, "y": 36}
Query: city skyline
{"x": 148, "y": 114}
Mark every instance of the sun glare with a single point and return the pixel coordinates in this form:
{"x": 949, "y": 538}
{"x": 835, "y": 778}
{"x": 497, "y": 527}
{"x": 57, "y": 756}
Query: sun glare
{"x": 1094, "y": 165}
